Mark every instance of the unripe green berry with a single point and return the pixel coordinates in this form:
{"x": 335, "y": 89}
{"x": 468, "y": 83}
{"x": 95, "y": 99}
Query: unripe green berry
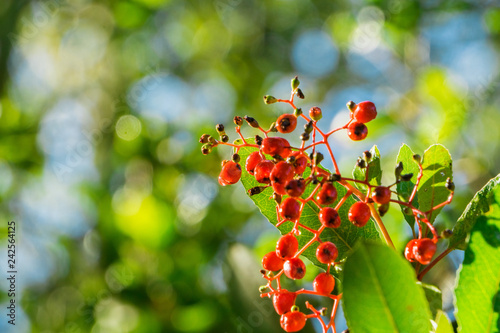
{"x": 268, "y": 99}
{"x": 315, "y": 113}
{"x": 295, "y": 83}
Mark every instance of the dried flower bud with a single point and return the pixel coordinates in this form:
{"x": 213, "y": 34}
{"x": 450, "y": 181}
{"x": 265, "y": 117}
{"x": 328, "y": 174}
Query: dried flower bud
{"x": 367, "y": 155}
{"x": 277, "y": 198}
{"x": 251, "y": 121}
{"x": 304, "y": 136}
{"x": 300, "y": 94}
{"x": 308, "y": 128}
{"x": 204, "y": 138}
{"x": 258, "y": 140}
{"x": 273, "y": 128}
{"x": 238, "y": 121}
{"x": 224, "y": 138}
{"x": 351, "y": 106}
{"x": 334, "y": 177}
{"x": 317, "y": 158}
{"x": 417, "y": 158}
{"x": 450, "y": 185}
{"x": 206, "y": 149}
{"x": 256, "y": 190}
{"x": 361, "y": 163}
{"x": 446, "y": 233}
{"x": 382, "y": 209}
{"x": 236, "y": 158}
{"x": 406, "y": 177}
{"x": 297, "y": 112}
{"x": 398, "y": 170}
{"x": 219, "y": 128}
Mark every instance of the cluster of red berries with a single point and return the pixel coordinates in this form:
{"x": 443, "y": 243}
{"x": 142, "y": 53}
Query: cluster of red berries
{"x": 276, "y": 164}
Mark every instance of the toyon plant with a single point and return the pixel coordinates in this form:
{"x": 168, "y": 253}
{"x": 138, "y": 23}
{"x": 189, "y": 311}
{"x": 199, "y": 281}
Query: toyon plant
{"x": 334, "y": 221}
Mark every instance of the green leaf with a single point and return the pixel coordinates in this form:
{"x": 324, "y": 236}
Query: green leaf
{"x": 443, "y": 323}
{"x": 432, "y": 190}
{"x": 477, "y": 293}
{"x": 381, "y": 294}
{"x": 343, "y": 237}
{"x": 374, "y": 171}
{"x": 404, "y": 189}
{"x": 433, "y": 296}
{"x": 479, "y": 205}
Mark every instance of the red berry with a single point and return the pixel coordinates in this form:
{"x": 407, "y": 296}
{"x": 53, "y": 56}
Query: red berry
{"x": 278, "y": 188}
{"x": 286, "y": 123}
{"x": 290, "y": 209}
{"x": 357, "y": 131}
{"x": 276, "y": 146}
{"x": 327, "y": 252}
{"x": 272, "y": 262}
{"x": 293, "y": 321}
{"x": 283, "y": 301}
{"x": 365, "y": 112}
{"x": 263, "y": 171}
{"x": 252, "y": 160}
{"x": 324, "y": 283}
{"x": 410, "y": 250}
{"x": 424, "y": 250}
{"x": 282, "y": 172}
{"x": 381, "y": 195}
{"x": 300, "y": 162}
{"x": 230, "y": 173}
{"x": 329, "y": 217}
{"x": 295, "y": 187}
{"x": 294, "y": 268}
{"x": 315, "y": 113}
{"x": 327, "y": 194}
{"x": 359, "y": 214}
{"x": 287, "y": 246}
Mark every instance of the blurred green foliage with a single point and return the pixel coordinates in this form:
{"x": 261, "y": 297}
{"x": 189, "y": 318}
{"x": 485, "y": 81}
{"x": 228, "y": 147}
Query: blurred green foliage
{"x": 123, "y": 227}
